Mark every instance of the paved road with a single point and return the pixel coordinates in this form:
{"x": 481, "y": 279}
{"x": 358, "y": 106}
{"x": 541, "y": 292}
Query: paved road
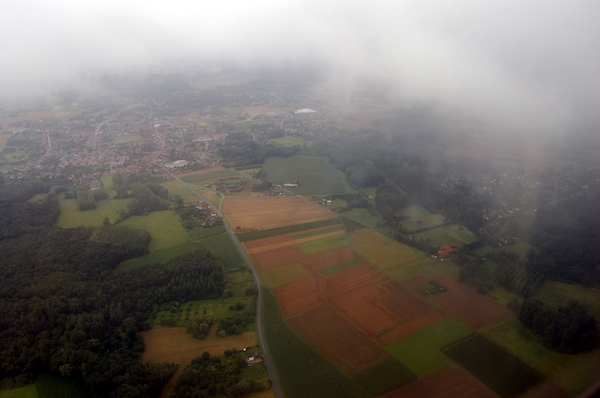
{"x": 269, "y": 365}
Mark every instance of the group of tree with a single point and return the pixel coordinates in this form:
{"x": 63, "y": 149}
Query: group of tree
{"x": 215, "y": 376}
{"x": 240, "y": 149}
{"x": 85, "y": 199}
{"x": 66, "y": 311}
{"x": 147, "y": 195}
{"x": 570, "y": 329}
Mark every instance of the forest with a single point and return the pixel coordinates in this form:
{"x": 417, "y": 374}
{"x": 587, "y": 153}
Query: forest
{"x": 239, "y": 149}
{"x": 66, "y": 311}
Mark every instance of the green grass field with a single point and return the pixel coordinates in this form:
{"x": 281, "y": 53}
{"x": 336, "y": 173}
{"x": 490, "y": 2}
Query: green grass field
{"x": 280, "y": 276}
{"x": 121, "y": 139}
{"x": 420, "y": 351}
{"x": 346, "y": 264}
{"x": 47, "y": 386}
{"x": 163, "y": 226}
{"x": 107, "y": 184}
{"x": 519, "y": 248}
{"x": 302, "y": 371}
{"x": 350, "y": 224}
{"x": 418, "y": 217}
{"x": 202, "y": 233}
{"x": 557, "y": 294}
{"x": 209, "y": 176}
{"x": 267, "y": 233}
{"x": 290, "y": 141}
{"x": 499, "y": 370}
{"x": 574, "y": 373}
{"x": 320, "y": 245}
{"x": 315, "y": 174}
{"x": 453, "y": 235}
{"x": 363, "y": 216}
{"x": 71, "y": 216}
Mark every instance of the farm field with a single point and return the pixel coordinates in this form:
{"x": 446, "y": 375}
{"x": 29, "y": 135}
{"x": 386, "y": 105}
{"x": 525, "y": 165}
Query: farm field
{"x": 363, "y": 216}
{"x": 573, "y": 373}
{"x": 163, "y": 226}
{"x": 174, "y": 344}
{"x": 381, "y": 251}
{"x": 300, "y": 295}
{"x": 421, "y": 350}
{"x": 282, "y": 275}
{"x": 207, "y": 176}
{"x": 519, "y": 248}
{"x": 271, "y": 212}
{"x": 453, "y": 235}
{"x": 301, "y": 370}
{"x": 450, "y": 382}
{"x": 247, "y": 236}
{"x": 315, "y": 243}
{"x": 470, "y": 307}
{"x": 315, "y": 174}
{"x": 418, "y": 217}
{"x": 121, "y": 139}
{"x": 4, "y": 137}
{"x": 384, "y": 377}
{"x": 347, "y": 348}
{"x": 502, "y": 372}
{"x": 71, "y": 216}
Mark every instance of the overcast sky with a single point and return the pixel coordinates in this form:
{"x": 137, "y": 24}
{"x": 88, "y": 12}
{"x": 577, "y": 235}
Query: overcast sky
{"x": 515, "y": 59}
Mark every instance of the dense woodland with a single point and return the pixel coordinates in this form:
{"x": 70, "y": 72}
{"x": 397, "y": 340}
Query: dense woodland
{"x": 239, "y": 149}
{"x": 65, "y": 309}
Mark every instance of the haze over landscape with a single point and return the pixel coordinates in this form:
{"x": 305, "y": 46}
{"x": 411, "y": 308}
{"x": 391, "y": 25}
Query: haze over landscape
{"x": 533, "y": 62}
{"x": 281, "y": 199}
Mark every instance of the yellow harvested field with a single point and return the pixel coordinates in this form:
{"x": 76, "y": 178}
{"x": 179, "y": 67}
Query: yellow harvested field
{"x": 272, "y": 212}
{"x": 382, "y": 251}
{"x": 175, "y": 345}
{"x": 280, "y": 276}
{"x": 294, "y": 242}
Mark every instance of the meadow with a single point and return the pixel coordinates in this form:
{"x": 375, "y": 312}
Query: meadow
{"x": 315, "y": 174}
{"x": 558, "y": 294}
{"x": 163, "y": 226}
{"x": 72, "y": 217}
{"x": 418, "y": 217}
{"x": 364, "y": 216}
{"x": 421, "y": 350}
{"x": 453, "y": 235}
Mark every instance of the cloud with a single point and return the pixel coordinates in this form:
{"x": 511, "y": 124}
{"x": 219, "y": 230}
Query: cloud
{"x": 523, "y": 60}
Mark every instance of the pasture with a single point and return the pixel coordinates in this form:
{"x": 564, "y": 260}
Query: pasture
{"x": 72, "y": 217}
{"x": 574, "y": 373}
{"x": 314, "y": 174}
{"x": 301, "y": 370}
{"x": 364, "y": 216}
{"x": 450, "y": 382}
{"x": 272, "y": 212}
{"x": 122, "y": 139}
{"x": 496, "y": 368}
{"x": 421, "y": 350}
{"x": 418, "y": 217}
{"x": 348, "y": 348}
{"x": 381, "y": 251}
{"x": 453, "y": 235}
{"x": 470, "y": 307}
{"x": 558, "y": 294}
{"x": 174, "y": 344}
{"x": 163, "y": 226}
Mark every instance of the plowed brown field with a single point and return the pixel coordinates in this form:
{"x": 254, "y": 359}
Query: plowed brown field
{"x": 337, "y": 339}
{"x": 278, "y": 257}
{"x": 445, "y": 383}
{"x": 470, "y": 307}
{"x": 299, "y": 295}
{"x": 271, "y": 259}
{"x": 272, "y": 212}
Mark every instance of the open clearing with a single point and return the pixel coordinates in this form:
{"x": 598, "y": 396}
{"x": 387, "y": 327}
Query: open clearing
{"x": 363, "y": 216}
{"x": 558, "y": 294}
{"x": 176, "y": 345}
{"x": 502, "y": 372}
{"x": 72, "y": 217}
{"x": 421, "y": 350}
{"x": 445, "y": 383}
{"x": 315, "y": 174}
{"x": 347, "y": 347}
{"x": 453, "y": 235}
{"x": 382, "y": 251}
{"x": 163, "y": 226}
{"x": 271, "y": 212}
{"x": 418, "y": 217}
{"x": 470, "y": 307}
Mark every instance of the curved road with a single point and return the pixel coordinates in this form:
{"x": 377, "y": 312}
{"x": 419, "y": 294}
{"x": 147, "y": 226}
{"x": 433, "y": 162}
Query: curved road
{"x": 269, "y": 365}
